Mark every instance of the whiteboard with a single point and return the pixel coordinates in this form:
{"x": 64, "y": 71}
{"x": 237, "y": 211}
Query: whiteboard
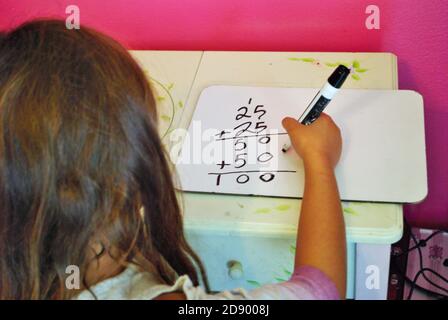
{"x": 233, "y": 144}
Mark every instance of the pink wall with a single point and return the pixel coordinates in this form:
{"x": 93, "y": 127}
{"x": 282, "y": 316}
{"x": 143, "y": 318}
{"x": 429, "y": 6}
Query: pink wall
{"x": 416, "y": 31}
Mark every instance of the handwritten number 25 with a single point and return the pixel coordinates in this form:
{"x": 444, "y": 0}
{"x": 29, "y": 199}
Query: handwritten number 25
{"x": 245, "y": 125}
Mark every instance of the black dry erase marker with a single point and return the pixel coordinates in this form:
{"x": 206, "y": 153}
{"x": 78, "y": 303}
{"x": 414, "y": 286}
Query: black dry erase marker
{"x": 323, "y": 97}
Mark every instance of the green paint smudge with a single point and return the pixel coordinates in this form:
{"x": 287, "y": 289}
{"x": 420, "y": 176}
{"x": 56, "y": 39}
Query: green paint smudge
{"x": 280, "y": 279}
{"x": 292, "y": 249}
{"x": 160, "y": 98}
{"x": 254, "y": 283}
{"x": 355, "y": 64}
{"x": 171, "y": 105}
{"x": 263, "y": 210}
{"x": 360, "y": 70}
{"x": 170, "y": 86}
{"x": 240, "y": 205}
{"x": 349, "y": 210}
{"x": 288, "y": 273}
{"x": 356, "y": 77}
{"x": 308, "y": 59}
{"x": 165, "y": 117}
{"x": 283, "y": 207}
{"x": 302, "y": 59}
{"x": 331, "y": 64}
{"x": 180, "y": 104}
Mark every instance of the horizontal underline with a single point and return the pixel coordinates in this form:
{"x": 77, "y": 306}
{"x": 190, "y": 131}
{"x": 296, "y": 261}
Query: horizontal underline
{"x": 252, "y": 171}
{"x": 250, "y": 136}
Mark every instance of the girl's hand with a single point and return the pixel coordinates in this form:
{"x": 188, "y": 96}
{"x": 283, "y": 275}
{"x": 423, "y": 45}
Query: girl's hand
{"x": 319, "y": 141}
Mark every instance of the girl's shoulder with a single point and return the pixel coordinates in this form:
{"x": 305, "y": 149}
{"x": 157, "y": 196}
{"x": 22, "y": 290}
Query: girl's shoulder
{"x": 135, "y": 284}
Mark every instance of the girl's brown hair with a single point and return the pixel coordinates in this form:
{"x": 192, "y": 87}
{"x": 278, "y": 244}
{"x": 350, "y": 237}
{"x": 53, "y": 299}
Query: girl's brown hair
{"x": 80, "y": 155}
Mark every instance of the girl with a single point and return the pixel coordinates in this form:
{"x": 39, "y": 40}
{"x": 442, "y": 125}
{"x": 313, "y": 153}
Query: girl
{"x": 85, "y": 182}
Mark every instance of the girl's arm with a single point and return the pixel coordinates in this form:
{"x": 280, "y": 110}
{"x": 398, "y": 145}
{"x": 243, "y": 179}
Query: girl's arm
{"x": 321, "y": 236}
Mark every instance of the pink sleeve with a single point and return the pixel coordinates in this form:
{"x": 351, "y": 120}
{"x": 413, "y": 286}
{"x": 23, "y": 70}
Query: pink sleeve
{"x": 307, "y": 283}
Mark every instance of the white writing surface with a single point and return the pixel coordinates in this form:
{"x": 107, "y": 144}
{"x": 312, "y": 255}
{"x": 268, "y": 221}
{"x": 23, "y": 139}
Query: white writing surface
{"x": 235, "y": 137}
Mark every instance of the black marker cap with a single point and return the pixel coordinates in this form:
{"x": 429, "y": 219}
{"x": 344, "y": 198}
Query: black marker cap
{"x": 338, "y": 76}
